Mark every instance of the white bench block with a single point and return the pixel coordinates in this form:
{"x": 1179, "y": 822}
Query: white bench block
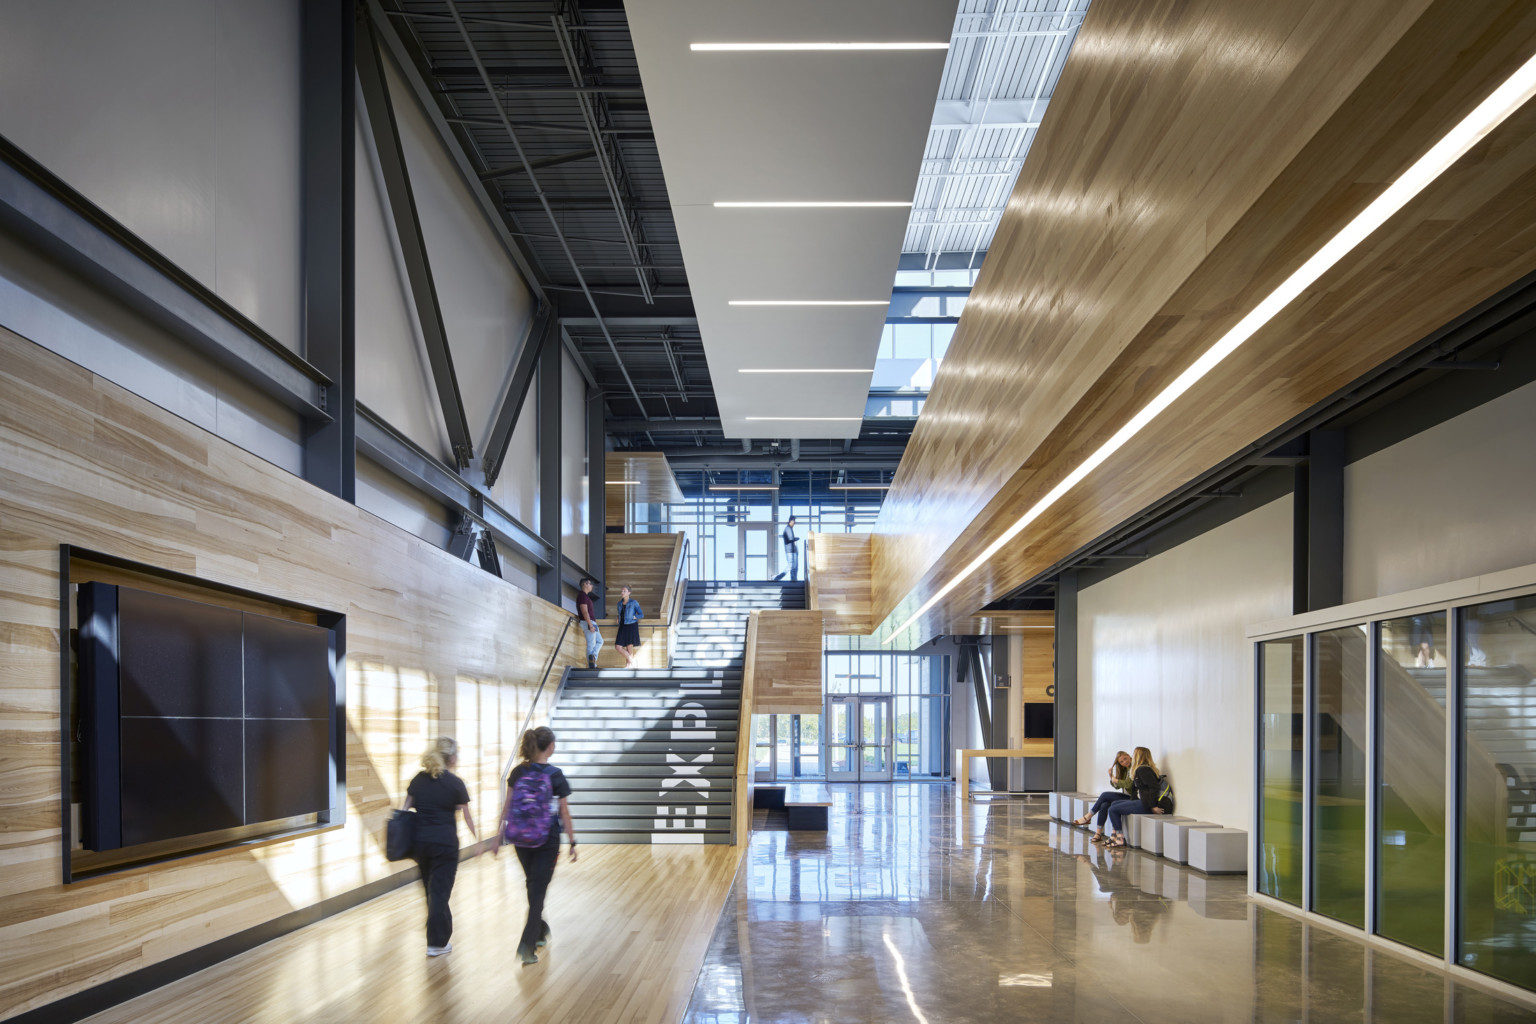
{"x": 1152, "y": 838}
{"x": 1218, "y": 851}
{"x": 1176, "y": 838}
{"x": 1131, "y": 824}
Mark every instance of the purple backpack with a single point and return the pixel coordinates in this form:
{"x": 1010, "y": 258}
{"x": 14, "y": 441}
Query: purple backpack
{"x": 528, "y": 808}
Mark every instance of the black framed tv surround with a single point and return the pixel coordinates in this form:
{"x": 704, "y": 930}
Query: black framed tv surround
{"x": 199, "y": 717}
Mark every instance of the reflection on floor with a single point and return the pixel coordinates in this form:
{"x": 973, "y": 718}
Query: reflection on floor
{"x": 912, "y": 908}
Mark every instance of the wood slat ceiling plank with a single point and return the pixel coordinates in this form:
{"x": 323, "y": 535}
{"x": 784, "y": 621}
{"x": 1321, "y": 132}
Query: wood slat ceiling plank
{"x": 1468, "y": 235}
{"x": 1168, "y": 116}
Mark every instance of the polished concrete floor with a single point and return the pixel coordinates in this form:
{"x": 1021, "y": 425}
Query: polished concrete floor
{"x": 913, "y": 908}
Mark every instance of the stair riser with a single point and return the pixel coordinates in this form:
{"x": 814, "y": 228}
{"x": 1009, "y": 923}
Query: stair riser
{"x": 718, "y": 773}
{"x": 647, "y": 839}
{"x": 582, "y": 751}
{"x": 622, "y": 801}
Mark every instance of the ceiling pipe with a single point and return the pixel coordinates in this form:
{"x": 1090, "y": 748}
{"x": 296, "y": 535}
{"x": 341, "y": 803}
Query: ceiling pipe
{"x": 794, "y": 449}
{"x": 746, "y": 446}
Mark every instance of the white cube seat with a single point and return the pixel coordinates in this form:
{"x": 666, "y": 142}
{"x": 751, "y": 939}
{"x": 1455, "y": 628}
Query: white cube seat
{"x": 1152, "y": 838}
{"x": 1176, "y": 838}
{"x": 1218, "y": 851}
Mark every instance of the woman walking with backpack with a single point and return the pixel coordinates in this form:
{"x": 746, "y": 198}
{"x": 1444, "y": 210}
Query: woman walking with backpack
{"x": 529, "y": 822}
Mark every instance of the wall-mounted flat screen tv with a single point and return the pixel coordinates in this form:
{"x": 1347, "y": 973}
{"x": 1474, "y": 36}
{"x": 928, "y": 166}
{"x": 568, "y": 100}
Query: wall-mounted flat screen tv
{"x": 197, "y": 717}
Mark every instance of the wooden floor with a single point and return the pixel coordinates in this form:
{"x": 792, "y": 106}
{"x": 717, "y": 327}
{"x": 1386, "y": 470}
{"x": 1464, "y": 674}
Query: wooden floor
{"x": 631, "y": 925}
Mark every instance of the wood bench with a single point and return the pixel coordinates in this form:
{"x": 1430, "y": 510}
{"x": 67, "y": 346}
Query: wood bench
{"x": 807, "y": 815}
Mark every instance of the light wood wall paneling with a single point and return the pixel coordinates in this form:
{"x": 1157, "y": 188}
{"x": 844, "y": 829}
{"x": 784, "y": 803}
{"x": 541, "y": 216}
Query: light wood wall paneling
{"x": 435, "y": 646}
{"x": 1037, "y": 676}
{"x": 784, "y": 662}
{"x": 1064, "y": 337}
{"x": 647, "y": 563}
{"x": 838, "y": 567}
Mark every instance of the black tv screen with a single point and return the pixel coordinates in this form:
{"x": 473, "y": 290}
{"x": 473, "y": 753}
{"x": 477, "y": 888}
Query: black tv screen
{"x": 1039, "y": 721}
{"x": 199, "y": 717}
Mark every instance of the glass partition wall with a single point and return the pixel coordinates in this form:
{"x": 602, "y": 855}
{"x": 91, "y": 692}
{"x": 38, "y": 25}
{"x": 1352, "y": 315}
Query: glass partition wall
{"x": 1396, "y": 778}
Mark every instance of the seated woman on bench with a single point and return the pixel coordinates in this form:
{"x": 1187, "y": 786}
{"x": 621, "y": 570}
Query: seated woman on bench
{"x": 1153, "y": 794}
{"x": 1120, "y": 779}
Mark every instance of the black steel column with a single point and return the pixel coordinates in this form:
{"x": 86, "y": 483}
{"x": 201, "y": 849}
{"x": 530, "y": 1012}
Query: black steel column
{"x": 1065, "y": 695}
{"x": 549, "y": 463}
{"x": 597, "y": 491}
{"x": 1317, "y": 555}
{"x": 1325, "y": 520}
{"x": 327, "y": 138}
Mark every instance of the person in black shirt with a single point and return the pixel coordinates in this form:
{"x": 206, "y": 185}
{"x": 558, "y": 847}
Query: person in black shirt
{"x": 791, "y": 550}
{"x": 438, "y": 796}
{"x": 539, "y": 861}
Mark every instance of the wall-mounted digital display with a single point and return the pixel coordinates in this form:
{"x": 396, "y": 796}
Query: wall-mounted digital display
{"x": 1039, "y": 721}
{"x": 197, "y": 717}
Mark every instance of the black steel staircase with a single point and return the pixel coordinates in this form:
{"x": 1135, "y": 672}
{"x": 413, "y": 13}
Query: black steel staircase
{"x": 651, "y": 753}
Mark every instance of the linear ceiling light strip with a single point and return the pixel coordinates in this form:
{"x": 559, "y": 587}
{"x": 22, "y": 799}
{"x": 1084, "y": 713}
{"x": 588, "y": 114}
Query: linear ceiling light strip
{"x": 1492, "y": 112}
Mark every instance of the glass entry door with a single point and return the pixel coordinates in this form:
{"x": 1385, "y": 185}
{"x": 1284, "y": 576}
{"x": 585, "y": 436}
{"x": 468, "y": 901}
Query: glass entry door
{"x": 859, "y": 736}
{"x": 757, "y": 555}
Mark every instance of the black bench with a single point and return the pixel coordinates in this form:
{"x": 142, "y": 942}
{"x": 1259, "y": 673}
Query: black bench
{"x": 807, "y": 816}
{"x": 770, "y": 797}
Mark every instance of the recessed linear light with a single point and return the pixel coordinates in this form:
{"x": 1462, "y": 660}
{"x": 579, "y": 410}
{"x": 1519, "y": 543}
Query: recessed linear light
{"x": 803, "y": 419}
{"x": 809, "y": 302}
{"x": 1489, "y": 114}
{"x": 819, "y": 205}
{"x": 743, "y": 487}
{"x": 740, "y": 47}
{"x": 622, "y": 483}
{"x": 766, "y": 369}
{"x": 858, "y": 487}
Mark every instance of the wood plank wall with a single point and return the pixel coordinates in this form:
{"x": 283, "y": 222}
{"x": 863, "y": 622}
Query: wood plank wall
{"x": 646, "y": 562}
{"x": 783, "y": 663}
{"x": 435, "y": 646}
{"x": 1350, "y": 96}
{"x": 838, "y": 567}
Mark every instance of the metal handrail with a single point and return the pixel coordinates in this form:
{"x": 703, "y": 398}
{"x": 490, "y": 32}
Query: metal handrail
{"x": 543, "y": 682}
{"x": 679, "y": 599}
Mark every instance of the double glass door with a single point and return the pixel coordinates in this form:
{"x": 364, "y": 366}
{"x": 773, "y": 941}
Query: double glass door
{"x": 859, "y": 739}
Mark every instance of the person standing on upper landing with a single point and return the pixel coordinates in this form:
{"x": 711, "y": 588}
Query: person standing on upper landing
{"x": 628, "y": 640}
{"x": 586, "y": 610}
{"x": 791, "y": 549}
{"x": 438, "y": 796}
{"x": 529, "y": 823}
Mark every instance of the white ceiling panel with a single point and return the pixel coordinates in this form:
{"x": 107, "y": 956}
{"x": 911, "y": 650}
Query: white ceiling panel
{"x": 790, "y": 126}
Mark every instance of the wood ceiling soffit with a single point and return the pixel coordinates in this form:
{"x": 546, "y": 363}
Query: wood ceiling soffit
{"x": 1009, "y": 418}
{"x": 655, "y": 481}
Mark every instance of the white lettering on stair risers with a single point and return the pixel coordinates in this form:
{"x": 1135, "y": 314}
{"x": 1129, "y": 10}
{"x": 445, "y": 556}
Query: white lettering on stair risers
{"x": 688, "y": 723}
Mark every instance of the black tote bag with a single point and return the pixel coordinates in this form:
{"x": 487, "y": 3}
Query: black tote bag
{"x": 400, "y": 835}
